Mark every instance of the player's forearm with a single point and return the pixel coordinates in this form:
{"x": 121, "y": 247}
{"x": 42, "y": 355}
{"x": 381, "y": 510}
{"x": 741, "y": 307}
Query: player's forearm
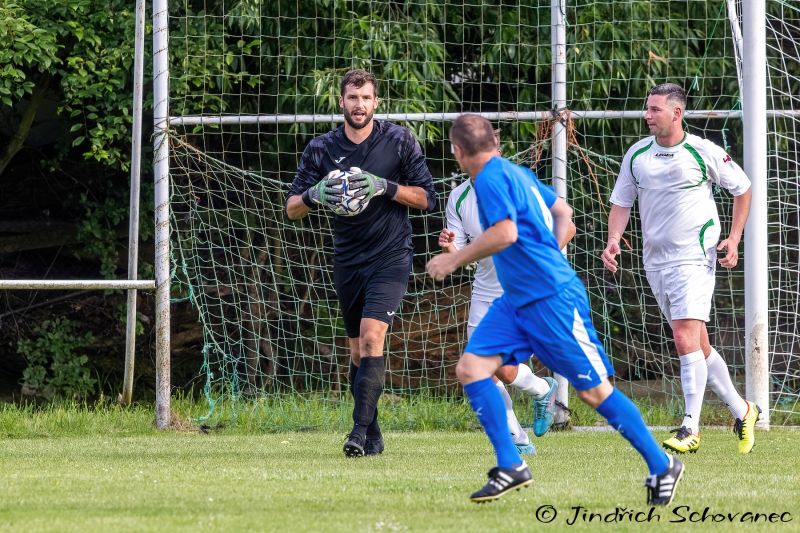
{"x": 296, "y": 208}
{"x": 741, "y": 210}
{"x": 564, "y": 230}
{"x": 563, "y": 227}
{"x": 493, "y": 240}
{"x": 412, "y": 196}
{"x": 617, "y": 222}
{"x": 450, "y": 248}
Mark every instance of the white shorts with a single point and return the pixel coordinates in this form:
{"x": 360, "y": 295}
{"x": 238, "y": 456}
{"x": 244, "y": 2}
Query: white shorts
{"x": 477, "y": 310}
{"x": 683, "y": 291}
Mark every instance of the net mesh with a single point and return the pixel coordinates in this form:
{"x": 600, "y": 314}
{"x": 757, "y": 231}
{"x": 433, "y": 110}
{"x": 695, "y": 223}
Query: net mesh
{"x": 252, "y": 82}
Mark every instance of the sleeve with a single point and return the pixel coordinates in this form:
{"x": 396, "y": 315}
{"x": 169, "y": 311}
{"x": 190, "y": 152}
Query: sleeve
{"x": 495, "y": 201}
{"x": 724, "y": 171}
{"x": 454, "y": 222}
{"x": 308, "y": 171}
{"x": 415, "y": 169}
{"x": 625, "y": 190}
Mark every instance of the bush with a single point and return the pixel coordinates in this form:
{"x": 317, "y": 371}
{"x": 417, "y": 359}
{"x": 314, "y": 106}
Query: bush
{"x": 56, "y": 362}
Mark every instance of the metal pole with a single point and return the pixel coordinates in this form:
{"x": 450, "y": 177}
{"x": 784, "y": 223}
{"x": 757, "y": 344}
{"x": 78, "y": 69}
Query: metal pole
{"x": 161, "y": 176}
{"x": 558, "y": 14}
{"x": 61, "y": 284}
{"x": 133, "y": 224}
{"x": 530, "y": 116}
{"x": 754, "y": 103}
{"x": 737, "y": 38}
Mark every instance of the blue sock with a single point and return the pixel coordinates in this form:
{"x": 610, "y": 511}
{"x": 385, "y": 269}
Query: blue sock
{"x": 488, "y": 405}
{"x": 625, "y": 417}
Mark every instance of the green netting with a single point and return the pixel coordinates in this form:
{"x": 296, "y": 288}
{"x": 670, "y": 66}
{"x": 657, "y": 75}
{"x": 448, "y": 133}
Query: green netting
{"x": 246, "y": 71}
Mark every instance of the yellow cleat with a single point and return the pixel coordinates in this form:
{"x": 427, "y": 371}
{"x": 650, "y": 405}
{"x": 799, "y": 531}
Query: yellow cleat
{"x": 745, "y": 429}
{"x": 683, "y": 441}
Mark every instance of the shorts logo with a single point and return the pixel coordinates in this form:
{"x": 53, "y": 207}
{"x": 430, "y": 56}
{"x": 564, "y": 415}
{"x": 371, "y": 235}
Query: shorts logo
{"x": 390, "y": 313}
{"x": 587, "y": 376}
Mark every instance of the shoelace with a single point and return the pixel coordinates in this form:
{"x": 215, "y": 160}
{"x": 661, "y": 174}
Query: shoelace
{"x": 738, "y": 428}
{"x": 540, "y": 408}
{"x": 354, "y": 436}
{"x": 681, "y": 432}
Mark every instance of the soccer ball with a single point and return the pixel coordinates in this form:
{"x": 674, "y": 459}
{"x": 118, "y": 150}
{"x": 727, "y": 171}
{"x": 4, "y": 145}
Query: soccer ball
{"x": 349, "y": 206}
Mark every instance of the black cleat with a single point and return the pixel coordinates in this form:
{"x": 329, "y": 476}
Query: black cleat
{"x": 373, "y": 445}
{"x": 661, "y": 487}
{"x": 354, "y": 445}
{"x": 501, "y": 481}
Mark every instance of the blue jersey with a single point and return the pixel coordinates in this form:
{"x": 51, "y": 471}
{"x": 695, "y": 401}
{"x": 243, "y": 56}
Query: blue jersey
{"x": 533, "y": 267}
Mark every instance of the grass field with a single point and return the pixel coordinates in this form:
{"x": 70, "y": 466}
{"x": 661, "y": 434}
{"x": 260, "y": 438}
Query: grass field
{"x": 108, "y": 470}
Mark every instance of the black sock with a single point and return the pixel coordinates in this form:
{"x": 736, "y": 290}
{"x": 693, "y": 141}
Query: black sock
{"x": 368, "y": 388}
{"x": 373, "y": 430}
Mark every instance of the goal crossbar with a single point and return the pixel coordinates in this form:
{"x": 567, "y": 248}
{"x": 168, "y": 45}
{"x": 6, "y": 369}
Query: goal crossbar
{"x": 228, "y": 120}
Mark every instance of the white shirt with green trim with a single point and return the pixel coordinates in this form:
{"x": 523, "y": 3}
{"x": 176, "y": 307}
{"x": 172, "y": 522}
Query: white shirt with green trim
{"x": 463, "y": 220}
{"x": 680, "y": 224}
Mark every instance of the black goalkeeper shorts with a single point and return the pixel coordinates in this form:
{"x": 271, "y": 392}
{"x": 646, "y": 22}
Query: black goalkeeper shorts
{"x": 373, "y": 291}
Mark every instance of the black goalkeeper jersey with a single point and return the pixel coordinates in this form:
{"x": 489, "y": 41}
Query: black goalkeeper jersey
{"x": 390, "y": 152}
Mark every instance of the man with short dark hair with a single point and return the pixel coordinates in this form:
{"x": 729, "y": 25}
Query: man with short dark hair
{"x": 463, "y": 227}
{"x": 672, "y": 172}
{"x": 544, "y": 310}
{"x": 372, "y": 250}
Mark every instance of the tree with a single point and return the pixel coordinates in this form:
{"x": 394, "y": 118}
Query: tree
{"x": 81, "y": 53}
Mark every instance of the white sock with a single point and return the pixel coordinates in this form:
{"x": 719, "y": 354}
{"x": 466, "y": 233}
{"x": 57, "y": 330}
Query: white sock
{"x": 530, "y": 383}
{"x": 719, "y": 379}
{"x": 517, "y": 431}
{"x": 694, "y": 374}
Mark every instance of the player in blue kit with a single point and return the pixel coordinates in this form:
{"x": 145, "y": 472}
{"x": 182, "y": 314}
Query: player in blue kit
{"x": 544, "y": 310}
{"x": 372, "y": 250}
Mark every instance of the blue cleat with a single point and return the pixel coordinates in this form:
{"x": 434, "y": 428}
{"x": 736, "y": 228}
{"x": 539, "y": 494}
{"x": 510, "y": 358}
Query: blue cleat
{"x": 544, "y": 409}
{"x": 526, "y": 449}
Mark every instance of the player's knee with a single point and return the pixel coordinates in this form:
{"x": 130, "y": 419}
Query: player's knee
{"x": 507, "y": 373}
{"x": 371, "y": 343}
{"x": 596, "y": 395}
{"x": 465, "y": 372}
{"x": 589, "y": 397}
{"x": 684, "y": 342}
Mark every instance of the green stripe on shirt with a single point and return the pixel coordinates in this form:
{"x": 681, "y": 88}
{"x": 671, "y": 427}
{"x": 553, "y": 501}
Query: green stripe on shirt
{"x": 700, "y": 162}
{"x": 703, "y": 233}
{"x": 461, "y": 201}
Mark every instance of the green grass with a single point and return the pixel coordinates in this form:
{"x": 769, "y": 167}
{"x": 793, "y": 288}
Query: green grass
{"x": 73, "y": 468}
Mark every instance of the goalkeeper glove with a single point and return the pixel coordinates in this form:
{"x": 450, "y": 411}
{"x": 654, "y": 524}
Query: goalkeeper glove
{"x": 327, "y": 192}
{"x": 366, "y": 185}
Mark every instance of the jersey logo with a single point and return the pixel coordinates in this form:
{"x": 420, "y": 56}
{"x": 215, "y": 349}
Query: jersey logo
{"x": 726, "y": 159}
{"x": 587, "y": 376}
{"x": 339, "y": 159}
{"x": 390, "y": 313}
{"x": 665, "y": 154}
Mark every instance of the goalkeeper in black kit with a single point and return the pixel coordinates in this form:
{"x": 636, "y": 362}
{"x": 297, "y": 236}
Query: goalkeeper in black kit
{"x": 372, "y": 249}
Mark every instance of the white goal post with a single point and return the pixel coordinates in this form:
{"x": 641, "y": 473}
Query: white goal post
{"x": 754, "y": 115}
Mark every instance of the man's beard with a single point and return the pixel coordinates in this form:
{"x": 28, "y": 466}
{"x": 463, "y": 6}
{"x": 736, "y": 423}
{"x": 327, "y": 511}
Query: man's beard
{"x": 356, "y": 125}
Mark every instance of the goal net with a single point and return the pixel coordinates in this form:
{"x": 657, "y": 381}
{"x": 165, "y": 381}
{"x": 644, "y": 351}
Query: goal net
{"x": 251, "y": 82}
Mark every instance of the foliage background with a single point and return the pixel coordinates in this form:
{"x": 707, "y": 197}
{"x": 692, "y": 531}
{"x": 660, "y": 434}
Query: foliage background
{"x": 66, "y": 91}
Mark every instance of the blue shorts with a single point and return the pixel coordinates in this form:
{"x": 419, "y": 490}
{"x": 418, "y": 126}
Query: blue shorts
{"x": 558, "y": 330}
